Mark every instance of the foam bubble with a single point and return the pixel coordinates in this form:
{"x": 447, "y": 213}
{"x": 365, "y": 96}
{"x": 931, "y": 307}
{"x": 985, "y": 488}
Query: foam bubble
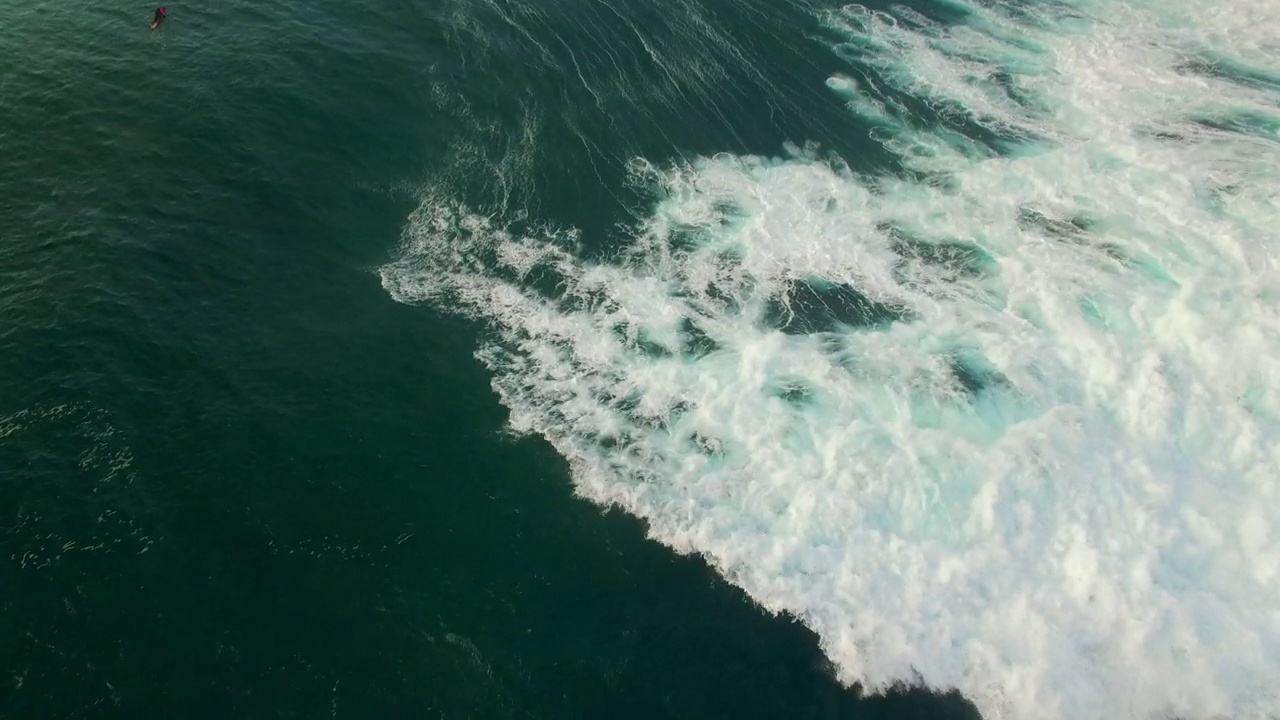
{"x": 71, "y": 472}
{"x": 1004, "y": 420}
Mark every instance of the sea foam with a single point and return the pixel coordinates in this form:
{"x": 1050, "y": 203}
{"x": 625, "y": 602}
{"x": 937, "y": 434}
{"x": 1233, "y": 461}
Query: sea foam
{"x": 1005, "y": 418}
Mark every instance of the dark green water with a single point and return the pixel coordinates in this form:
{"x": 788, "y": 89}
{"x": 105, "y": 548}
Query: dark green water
{"x": 236, "y": 478}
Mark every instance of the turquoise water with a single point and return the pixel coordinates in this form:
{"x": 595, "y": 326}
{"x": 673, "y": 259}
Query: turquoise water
{"x": 896, "y": 340}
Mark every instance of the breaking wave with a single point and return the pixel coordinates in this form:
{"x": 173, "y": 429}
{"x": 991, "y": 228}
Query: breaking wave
{"x": 1004, "y": 417}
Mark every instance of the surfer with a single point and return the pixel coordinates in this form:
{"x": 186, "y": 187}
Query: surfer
{"x": 161, "y": 14}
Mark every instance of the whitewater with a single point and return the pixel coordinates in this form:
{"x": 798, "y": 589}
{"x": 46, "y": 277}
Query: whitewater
{"x": 1002, "y": 415}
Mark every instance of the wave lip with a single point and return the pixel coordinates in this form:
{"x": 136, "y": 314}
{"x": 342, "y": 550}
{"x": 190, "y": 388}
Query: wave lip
{"x": 1003, "y": 419}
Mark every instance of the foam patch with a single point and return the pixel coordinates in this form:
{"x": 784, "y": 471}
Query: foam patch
{"x": 1005, "y": 420}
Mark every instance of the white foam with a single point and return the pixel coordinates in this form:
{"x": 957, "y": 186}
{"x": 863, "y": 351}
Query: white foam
{"x": 1051, "y": 482}
{"x": 46, "y": 529}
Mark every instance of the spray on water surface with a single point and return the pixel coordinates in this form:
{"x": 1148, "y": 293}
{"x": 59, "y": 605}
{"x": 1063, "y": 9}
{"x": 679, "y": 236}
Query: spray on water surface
{"x": 1001, "y": 415}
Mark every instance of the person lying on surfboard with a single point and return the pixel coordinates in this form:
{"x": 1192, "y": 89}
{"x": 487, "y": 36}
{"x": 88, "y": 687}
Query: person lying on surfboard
{"x": 161, "y": 14}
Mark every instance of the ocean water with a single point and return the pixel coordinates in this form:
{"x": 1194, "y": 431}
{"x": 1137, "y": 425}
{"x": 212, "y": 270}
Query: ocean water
{"x": 698, "y": 359}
